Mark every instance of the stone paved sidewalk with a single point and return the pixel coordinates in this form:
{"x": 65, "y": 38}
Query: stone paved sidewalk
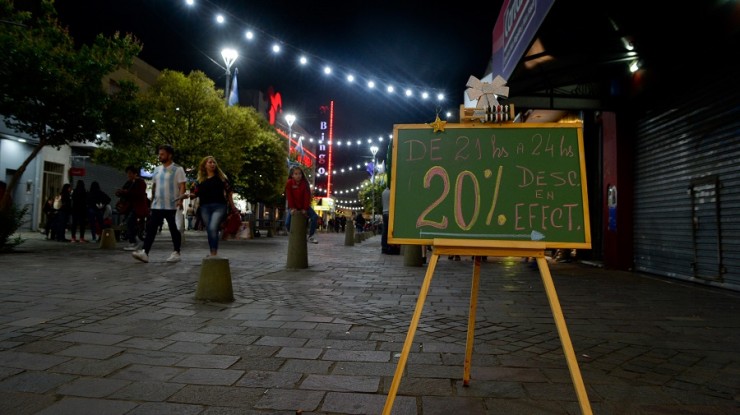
{"x": 85, "y": 330}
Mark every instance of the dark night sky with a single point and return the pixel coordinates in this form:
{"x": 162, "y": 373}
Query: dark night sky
{"x": 407, "y": 43}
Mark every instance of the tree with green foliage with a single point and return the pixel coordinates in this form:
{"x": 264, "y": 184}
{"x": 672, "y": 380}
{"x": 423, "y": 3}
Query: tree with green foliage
{"x": 188, "y": 113}
{"x": 51, "y": 90}
{"x": 185, "y": 112}
{"x": 262, "y": 174}
{"x": 366, "y": 193}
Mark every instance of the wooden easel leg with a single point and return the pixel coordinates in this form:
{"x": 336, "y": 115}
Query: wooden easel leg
{"x": 471, "y": 321}
{"x": 410, "y": 336}
{"x": 570, "y": 357}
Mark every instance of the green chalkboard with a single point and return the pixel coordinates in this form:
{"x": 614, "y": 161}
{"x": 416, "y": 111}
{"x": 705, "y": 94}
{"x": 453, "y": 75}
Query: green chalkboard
{"x": 501, "y": 182}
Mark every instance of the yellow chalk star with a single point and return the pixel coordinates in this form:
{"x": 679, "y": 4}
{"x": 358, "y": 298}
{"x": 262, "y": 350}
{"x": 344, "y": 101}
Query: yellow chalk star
{"x": 438, "y": 124}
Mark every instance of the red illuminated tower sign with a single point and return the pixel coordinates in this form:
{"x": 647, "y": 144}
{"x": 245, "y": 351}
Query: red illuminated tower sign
{"x": 324, "y": 150}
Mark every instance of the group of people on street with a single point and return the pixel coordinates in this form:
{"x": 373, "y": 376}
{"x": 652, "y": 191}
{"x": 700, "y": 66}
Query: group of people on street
{"x": 83, "y": 207}
{"x": 213, "y": 191}
{"x": 76, "y": 209}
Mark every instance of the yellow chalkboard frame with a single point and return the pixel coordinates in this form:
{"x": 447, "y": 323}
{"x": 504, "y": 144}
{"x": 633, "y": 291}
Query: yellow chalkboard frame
{"x": 502, "y": 134}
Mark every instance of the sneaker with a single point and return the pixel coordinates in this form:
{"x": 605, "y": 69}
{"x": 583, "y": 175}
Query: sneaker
{"x": 73, "y": 240}
{"x": 313, "y": 240}
{"x": 174, "y": 257}
{"x": 131, "y": 247}
{"x": 140, "y": 255}
{"x": 83, "y": 240}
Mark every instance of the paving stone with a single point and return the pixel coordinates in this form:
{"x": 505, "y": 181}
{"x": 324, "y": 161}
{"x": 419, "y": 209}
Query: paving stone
{"x": 144, "y": 390}
{"x": 92, "y": 338}
{"x": 269, "y": 380}
{"x": 329, "y": 339}
{"x": 208, "y": 376}
{"x": 280, "y": 341}
{"x": 299, "y": 353}
{"x": 91, "y": 351}
{"x": 92, "y": 387}
{"x": 85, "y": 406}
{"x": 166, "y": 408}
{"x": 290, "y": 399}
{"x": 208, "y": 361}
{"x": 435, "y": 405}
{"x": 35, "y": 381}
{"x": 306, "y": 366}
{"x": 235, "y": 397}
{"x": 341, "y": 383}
{"x": 30, "y": 361}
{"x": 360, "y": 403}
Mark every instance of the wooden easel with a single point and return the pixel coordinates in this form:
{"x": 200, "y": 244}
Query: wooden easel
{"x": 477, "y": 249}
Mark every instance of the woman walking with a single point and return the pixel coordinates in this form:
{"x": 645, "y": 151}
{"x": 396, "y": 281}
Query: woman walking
{"x": 215, "y": 195}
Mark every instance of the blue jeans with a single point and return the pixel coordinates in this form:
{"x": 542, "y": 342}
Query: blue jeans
{"x": 313, "y": 221}
{"x": 213, "y": 214}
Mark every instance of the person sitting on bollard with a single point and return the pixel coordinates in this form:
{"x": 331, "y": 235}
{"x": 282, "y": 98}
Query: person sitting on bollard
{"x": 298, "y": 193}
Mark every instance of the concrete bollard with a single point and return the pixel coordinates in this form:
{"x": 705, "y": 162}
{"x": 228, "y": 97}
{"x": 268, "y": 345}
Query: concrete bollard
{"x": 358, "y": 238}
{"x": 349, "y": 235}
{"x": 107, "y": 239}
{"x": 412, "y": 256}
{"x": 215, "y": 281}
{"x": 297, "y": 249}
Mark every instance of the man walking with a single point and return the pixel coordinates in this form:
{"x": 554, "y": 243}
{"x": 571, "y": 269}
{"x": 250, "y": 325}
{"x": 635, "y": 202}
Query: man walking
{"x": 168, "y": 185}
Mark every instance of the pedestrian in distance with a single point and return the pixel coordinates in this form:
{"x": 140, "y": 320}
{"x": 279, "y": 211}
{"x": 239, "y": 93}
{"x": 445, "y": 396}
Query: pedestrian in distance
{"x": 63, "y": 207}
{"x": 135, "y": 205}
{"x": 168, "y": 190}
{"x": 359, "y": 222}
{"x": 298, "y": 193}
{"x": 49, "y": 215}
{"x": 216, "y": 199}
{"x": 97, "y": 200}
{"x": 79, "y": 211}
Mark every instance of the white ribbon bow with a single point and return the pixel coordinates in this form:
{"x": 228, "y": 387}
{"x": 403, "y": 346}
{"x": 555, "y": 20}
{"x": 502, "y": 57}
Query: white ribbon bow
{"x": 486, "y": 93}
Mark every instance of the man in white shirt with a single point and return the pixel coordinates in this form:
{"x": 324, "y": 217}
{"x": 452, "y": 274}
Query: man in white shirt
{"x": 168, "y": 187}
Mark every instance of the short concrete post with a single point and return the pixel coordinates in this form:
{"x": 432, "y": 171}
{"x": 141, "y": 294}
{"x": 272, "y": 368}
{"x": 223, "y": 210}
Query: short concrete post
{"x": 349, "y": 235}
{"x": 108, "y": 239}
{"x": 412, "y": 256}
{"x": 297, "y": 249}
{"x": 215, "y": 281}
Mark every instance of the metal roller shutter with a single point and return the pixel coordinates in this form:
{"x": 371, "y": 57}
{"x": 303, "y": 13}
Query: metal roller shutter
{"x": 687, "y": 187}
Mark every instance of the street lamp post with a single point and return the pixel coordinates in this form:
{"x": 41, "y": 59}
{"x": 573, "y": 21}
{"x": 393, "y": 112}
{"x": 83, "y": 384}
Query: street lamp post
{"x": 290, "y": 119}
{"x": 374, "y": 150}
{"x": 229, "y": 56}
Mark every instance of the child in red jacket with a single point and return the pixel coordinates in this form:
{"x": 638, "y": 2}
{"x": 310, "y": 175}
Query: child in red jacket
{"x": 298, "y": 193}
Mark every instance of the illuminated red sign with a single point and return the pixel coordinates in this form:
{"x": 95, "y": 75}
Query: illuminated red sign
{"x": 76, "y": 171}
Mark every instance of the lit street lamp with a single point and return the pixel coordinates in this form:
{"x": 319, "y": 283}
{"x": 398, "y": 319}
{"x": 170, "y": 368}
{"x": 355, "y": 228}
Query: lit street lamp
{"x": 229, "y": 56}
{"x": 290, "y": 119}
{"x": 374, "y": 150}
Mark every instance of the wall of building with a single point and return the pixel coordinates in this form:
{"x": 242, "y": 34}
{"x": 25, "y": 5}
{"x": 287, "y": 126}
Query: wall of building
{"x": 687, "y": 185}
